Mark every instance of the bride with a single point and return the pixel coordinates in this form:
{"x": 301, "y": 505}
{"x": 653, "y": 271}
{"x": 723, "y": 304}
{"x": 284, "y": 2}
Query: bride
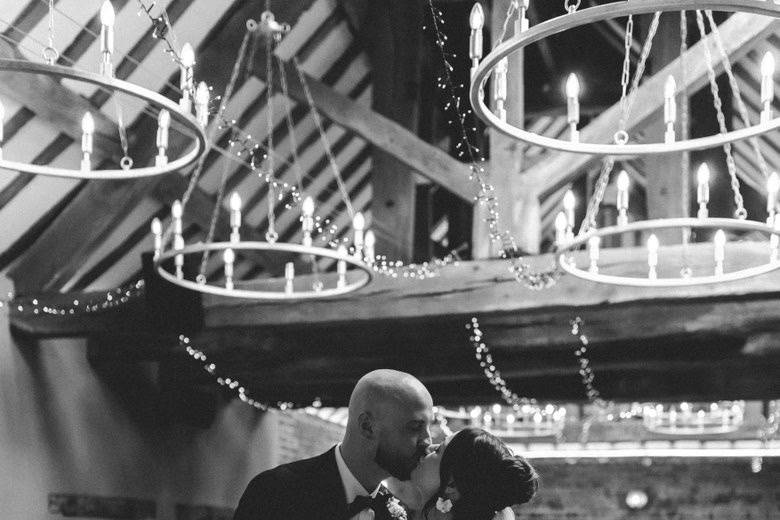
{"x": 472, "y": 475}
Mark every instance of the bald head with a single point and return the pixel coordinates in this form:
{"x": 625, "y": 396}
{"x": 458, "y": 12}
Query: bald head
{"x": 385, "y": 388}
{"x": 389, "y": 416}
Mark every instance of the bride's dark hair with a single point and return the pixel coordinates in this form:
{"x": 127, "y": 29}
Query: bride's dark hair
{"x": 488, "y": 476}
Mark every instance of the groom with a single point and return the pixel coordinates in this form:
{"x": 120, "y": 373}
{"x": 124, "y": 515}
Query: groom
{"x": 387, "y": 434}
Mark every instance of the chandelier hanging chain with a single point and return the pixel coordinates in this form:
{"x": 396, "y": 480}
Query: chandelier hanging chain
{"x": 626, "y": 102}
{"x": 685, "y": 168}
{"x": 271, "y": 235}
{"x": 290, "y": 124}
{"x": 505, "y": 27}
{"x": 195, "y": 175}
{"x": 571, "y": 6}
{"x": 625, "y": 73}
{"x": 598, "y": 195}
{"x": 740, "y": 212}
{"x": 126, "y": 162}
{"x": 640, "y": 68}
{"x": 328, "y": 152}
{"x": 50, "y": 53}
{"x": 737, "y": 92}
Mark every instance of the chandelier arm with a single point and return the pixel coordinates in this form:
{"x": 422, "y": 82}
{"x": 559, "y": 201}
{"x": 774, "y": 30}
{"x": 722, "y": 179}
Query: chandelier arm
{"x": 596, "y": 14}
{"x": 718, "y": 103}
{"x": 737, "y": 92}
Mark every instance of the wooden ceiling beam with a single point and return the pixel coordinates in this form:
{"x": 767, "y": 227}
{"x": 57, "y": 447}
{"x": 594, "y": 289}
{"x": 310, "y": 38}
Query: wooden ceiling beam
{"x": 100, "y": 206}
{"x": 739, "y": 33}
{"x": 426, "y": 159}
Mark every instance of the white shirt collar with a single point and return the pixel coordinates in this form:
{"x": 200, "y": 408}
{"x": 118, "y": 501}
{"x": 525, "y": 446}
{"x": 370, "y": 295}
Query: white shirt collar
{"x": 352, "y": 487}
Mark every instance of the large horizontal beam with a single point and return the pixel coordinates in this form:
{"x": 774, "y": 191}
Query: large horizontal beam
{"x": 739, "y": 33}
{"x": 428, "y": 160}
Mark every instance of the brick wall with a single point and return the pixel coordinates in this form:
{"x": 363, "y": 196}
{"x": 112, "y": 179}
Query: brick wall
{"x": 677, "y": 490}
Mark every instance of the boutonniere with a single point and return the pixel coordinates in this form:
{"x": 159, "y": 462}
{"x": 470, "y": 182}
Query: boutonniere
{"x": 395, "y": 509}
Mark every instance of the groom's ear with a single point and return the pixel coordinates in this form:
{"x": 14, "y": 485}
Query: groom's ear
{"x": 367, "y": 426}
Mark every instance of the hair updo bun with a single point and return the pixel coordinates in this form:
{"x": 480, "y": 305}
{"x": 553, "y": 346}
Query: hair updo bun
{"x": 486, "y": 473}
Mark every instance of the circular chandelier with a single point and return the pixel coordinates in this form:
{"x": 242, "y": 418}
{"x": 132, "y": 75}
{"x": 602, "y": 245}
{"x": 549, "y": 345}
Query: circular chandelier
{"x": 167, "y": 111}
{"x": 639, "y": 270}
{"x": 695, "y": 419}
{"x": 355, "y": 262}
{"x": 495, "y": 64}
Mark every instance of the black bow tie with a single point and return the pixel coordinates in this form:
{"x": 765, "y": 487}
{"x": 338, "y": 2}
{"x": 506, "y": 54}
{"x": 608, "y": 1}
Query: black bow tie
{"x": 366, "y": 502}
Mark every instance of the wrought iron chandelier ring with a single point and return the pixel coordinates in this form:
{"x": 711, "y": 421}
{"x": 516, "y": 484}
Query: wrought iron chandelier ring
{"x": 113, "y": 85}
{"x": 578, "y": 18}
{"x": 567, "y": 263}
{"x": 349, "y": 282}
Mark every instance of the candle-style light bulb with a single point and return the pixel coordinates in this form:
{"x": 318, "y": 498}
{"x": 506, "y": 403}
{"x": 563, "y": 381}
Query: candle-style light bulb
{"x": 594, "y": 244}
{"x": 623, "y": 184}
{"x": 178, "y": 260}
{"x": 176, "y": 214}
{"x": 670, "y": 108}
{"x": 202, "y": 96}
{"x": 719, "y": 242}
{"x": 521, "y": 24}
{"x": 307, "y": 220}
{"x": 573, "y": 105}
{"x": 767, "y": 86}
{"x": 157, "y": 232}
{"x": 107, "y": 18}
{"x": 703, "y": 189}
{"x": 289, "y": 277}
{"x": 476, "y": 22}
{"x": 186, "y": 80}
{"x": 499, "y": 87}
{"x": 772, "y": 188}
{"x": 229, "y": 258}
{"x": 341, "y": 268}
{"x": 568, "y": 206}
{"x": 87, "y": 129}
{"x": 652, "y": 256}
{"x": 235, "y": 217}
{"x": 163, "y": 124}
{"x": 358, "y": 225}
{"x": 561, "y": 224}
{"x": 370, "y": 247}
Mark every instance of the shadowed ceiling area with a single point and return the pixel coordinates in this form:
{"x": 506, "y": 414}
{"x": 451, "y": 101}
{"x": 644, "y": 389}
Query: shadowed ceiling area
{"x": 373, "y": 72}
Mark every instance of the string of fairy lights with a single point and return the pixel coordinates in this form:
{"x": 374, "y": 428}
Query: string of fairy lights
{"x": 472, "y": 154}
{"x": 109, "y": 299}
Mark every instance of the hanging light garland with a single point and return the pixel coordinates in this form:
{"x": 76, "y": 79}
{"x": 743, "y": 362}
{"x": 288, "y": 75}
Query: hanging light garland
{"x": 234, "y": 384}
{"x": 528, "y": 417}
{"x": 470, "y": 153}
{"x": 111, "y": 299}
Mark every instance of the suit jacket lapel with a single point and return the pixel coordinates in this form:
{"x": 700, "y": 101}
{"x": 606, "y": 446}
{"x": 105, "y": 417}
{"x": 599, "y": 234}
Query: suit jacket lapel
{"x": 329, "y": 488}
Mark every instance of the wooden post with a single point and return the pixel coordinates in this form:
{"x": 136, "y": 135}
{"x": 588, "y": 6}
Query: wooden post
{"x": 392, "y": 38}
{"x": 518, "y": 200}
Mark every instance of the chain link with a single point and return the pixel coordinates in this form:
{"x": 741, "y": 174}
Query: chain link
{"x": 598, "y": 195}
{"x": 626, "y": 103}
{"x": 731, "y": 165}
{"x": 331, "y": 159}
{"x": 50, "y": 53}
{"x": 625, "y": 74}
{"x": 571, "y": 6}
{"x": 290, "y": 125}
{"x": 741, "y": 107}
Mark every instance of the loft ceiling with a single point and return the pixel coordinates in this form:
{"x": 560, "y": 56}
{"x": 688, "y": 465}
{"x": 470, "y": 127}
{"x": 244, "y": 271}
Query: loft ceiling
{"x": 68, "y": 236}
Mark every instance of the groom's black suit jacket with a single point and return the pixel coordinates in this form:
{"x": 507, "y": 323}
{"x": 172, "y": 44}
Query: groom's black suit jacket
{"x": 309, "y": 489}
